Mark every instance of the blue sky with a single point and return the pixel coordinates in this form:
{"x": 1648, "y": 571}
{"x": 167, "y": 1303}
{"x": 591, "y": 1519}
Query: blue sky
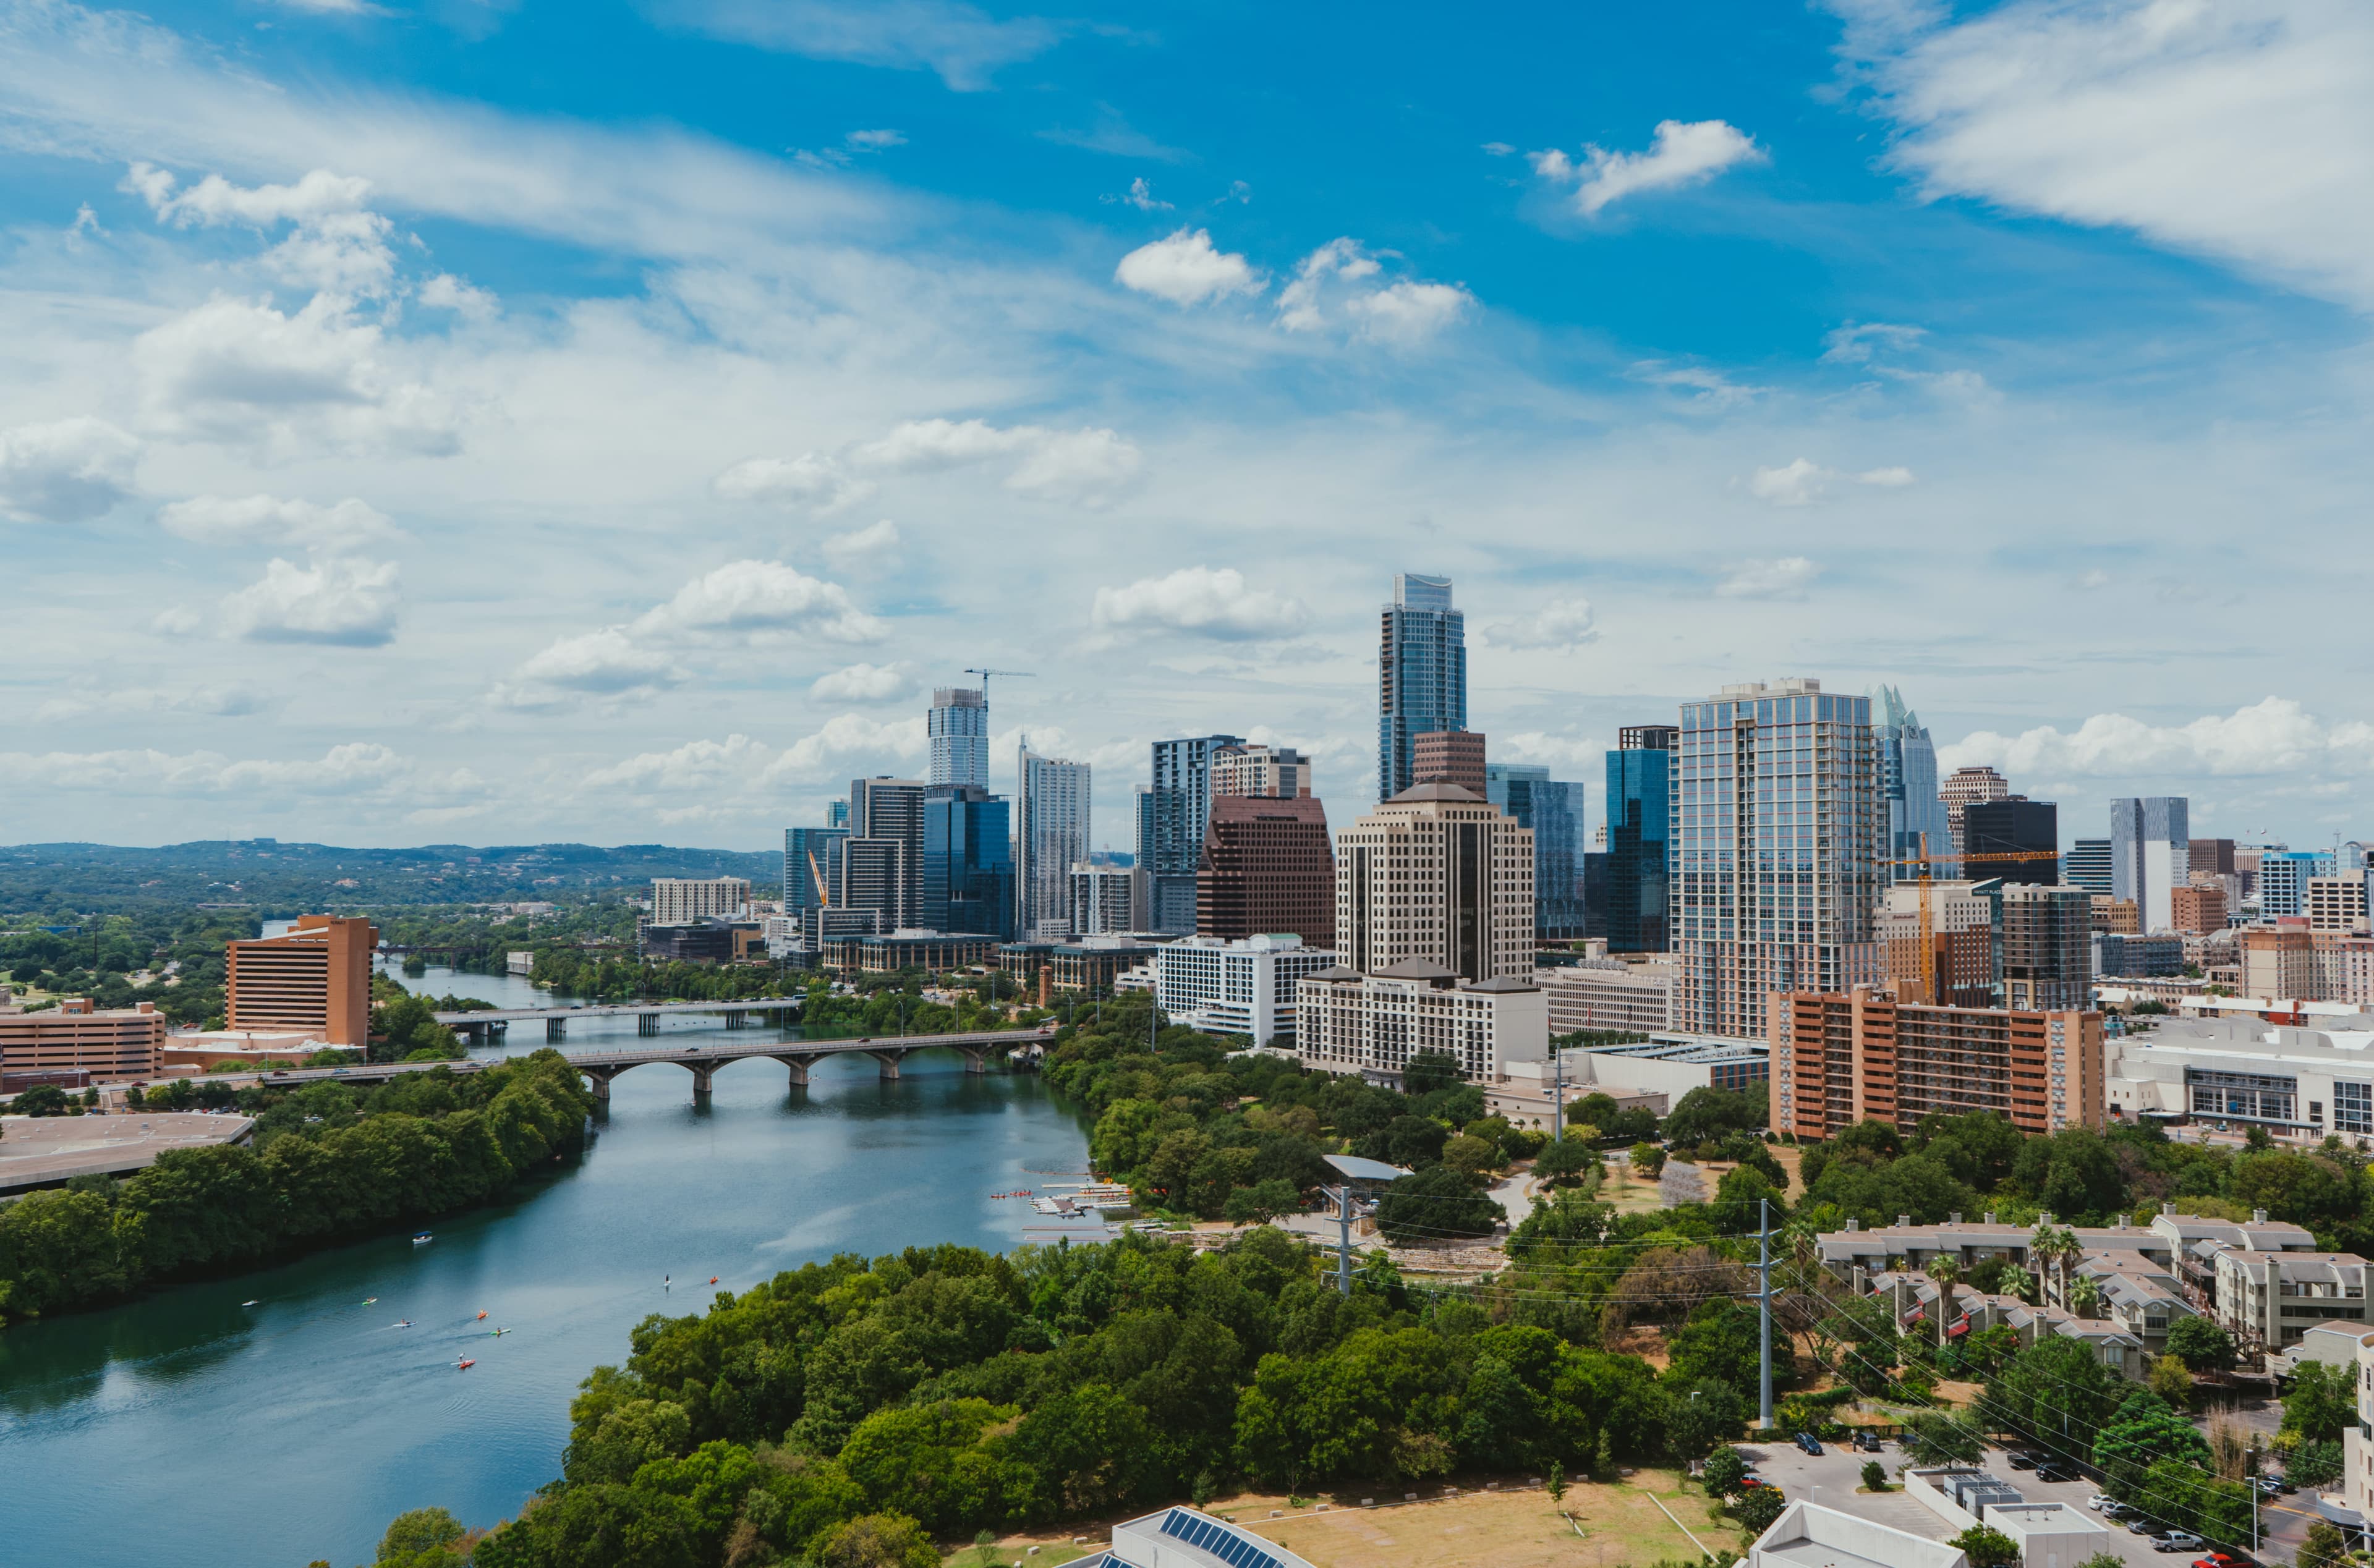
{"x": 607, "y": 421}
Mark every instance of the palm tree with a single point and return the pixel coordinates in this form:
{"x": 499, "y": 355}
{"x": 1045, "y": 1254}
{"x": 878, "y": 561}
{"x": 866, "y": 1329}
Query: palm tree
{"x": 2085, "y": 1295}
{"x": 1946, "y": 1271}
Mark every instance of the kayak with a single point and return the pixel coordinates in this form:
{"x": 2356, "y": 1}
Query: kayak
{"x": 464, "y": 1364}
{"x": 368, "y": 1301}
{"x": 422, "y": 1239}
{"x": 482, "y": 1317}
{"x": 252, "y": 1302}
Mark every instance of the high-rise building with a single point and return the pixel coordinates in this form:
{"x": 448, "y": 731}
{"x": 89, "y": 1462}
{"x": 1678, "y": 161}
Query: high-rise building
{"x": 1421, "y": 674}
{"x": 2087, "y": 865}
{"x": 1448, "y": 756}
{"x": 1267, "y": 869}
{"x": 77, "y": 1042}
{"x": 2336, "y": 903}
{"x": 2151, "y": 850}
{"x": 1436, "y": 874}
{"x": 2012, "y": 828}
{"x": 1842, "y": 1057}
{"x": 313, "y": 978}
{"x": 1051, "y": 838}
{"x": 1171, "y": 815}
{"x": 1962, "y": 942}
{"x": 2284, "y": 877}
{"x": 1553, "y": 809}
{"x": 1965, "y": 786}
{"x": 1639, "y": 787}
{"x": 2048, "y": 956}
{"x": 2211, "y": 855}
{"x": 2196, "y": 910}
{"x": 959, "y": 727}
{"x": 684, "y": 901}
{"x": 836, "y": 814}
{"x": 1234, "y": 986}
{"x": 1908, "y": 782}
{"x": 882, "y": 859}
{"x": 1258, "y": 769}
{"x": 1106, "y": 899}
{"x": 967, "y": 876}
{"x": 811, "y": 856}
{"x": 1778, "y": 833}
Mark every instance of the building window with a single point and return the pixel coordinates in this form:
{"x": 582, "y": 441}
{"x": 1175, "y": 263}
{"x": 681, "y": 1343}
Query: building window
{"x": 2353, "y": 1107}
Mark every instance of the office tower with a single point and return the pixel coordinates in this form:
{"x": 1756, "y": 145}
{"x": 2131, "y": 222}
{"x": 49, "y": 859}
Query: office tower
{"x": 1908, "y": 782}
{"x": 1842, "y": 1057}
{"x": 1448, "y": 756}
{"x": 1553, "y": 810}
{"x": 2336, "y": 903}
{"x": 959, "y": 727}
{"x": 967, "y": 876}
{"x": 2284, "y": 877}
{"x": 1243, "y": 986}
{"x": 1963, "y": 917}
{"x": 77, "y": 1042}
{"x": 2048, "y": 955}
{"x": 1596, "y": 894}
{"x": 2150, "y": 855}
{"x": 1267, "y": 869}
{"x": 1640, "y": 784}
{"x": 1777, "y": 838}
{"x": 2211, "y": 855}
{"x": 314, "y": 978}
{"x": 1253, "y": 769}
{"x": 1106, "y": 899}
{"x": 2010, "y": 827}
{"x": 1436, "y": 876}
{"x": 1173, "y": 814}
{"x": 1421, "y": 675}
{"x": 682, "y": 901}
{"x": 1965, "y": 786}
{"x": 836, "y": 814}
{"x": 1051, "y": 838}
{"x": 882, "y": 861}
{"x": 2200, "y": 907}
{"x": 2087, "y": 865}
{"x": 809, "y": 856}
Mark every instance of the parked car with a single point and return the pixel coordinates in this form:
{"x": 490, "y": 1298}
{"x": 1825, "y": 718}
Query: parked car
{"x": 2222, "y": 1560}
{"x": 2112, "y": 1509}
{"x": 1867, "y": 1441}
{"x": 2176, "y": 1540}
{"x": 2139, "y": 1526}
{"x": 2274, "y": 1486}
{"x": 2023, "y": 1458}
{"x": 2101, "y": 1505}
{"x": 1810, "y": 1444}
{"x": 2054, "y": 1469}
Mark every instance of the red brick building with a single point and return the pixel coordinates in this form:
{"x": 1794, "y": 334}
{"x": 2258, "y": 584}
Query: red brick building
{"x": 1267, "y": 868}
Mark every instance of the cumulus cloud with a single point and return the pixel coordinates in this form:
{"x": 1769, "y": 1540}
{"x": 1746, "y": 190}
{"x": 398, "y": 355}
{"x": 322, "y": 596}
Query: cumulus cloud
{"x": 1200, "y": 602}
{"x": 337, "y": 244}
{"x": 362, "y": 770}
{"x": 695, "y": 765}
{"x": 1787, "y": 578}
{"x": 607, "y": 663}
{"x": 67, "y": 471}
{"x": 1539, "y": 746}
{"x": 862, "y": 547}
{"x": 274, "y": 522}
{"x": 1683, "y": 153}
{"x": 811, "y": 481}
{"x": 1803, "y": 481}
{"x": 1854, "y": 343}
{"x": 2275, "y": 735}
{"x": 446, "y": 292}
{"x": 1186, "y": 269}
{"x": 1340, "y": 285}
{"x": 1091, "y": 465}
{"x": 762, "y": 596}
{"x": 2235, "y": 130}
{"x": 340, "y": 602}
{"x": 848, "y": 738}
{"x": 863, "y": 683}
{"x": 1559, "y": 627}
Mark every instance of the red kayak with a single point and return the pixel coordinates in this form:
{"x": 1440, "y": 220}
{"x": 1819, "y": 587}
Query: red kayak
{"x": 464, "y": 1364}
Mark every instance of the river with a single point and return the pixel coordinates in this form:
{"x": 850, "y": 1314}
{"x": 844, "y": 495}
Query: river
{"x": 186, "y": 1428}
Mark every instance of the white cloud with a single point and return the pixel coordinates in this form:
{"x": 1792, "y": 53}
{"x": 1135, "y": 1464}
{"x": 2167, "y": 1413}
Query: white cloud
{"x": 867, "y": 547}
{"x": 863, "y": 683}
{"x": 91, "y": 696}
{"x": 607, "y": 662}
{"x": 1338, "y": 285}
{"x": 1200, "y": 602}
{"x": 2235, "y": 130}
{"x": 810, "y": 480}
{"x": 874, "y": 141}
{"x": 1185, "y": 269}
{"x": 963, "y": 43}
{"x": 1498, "y": 149}
{"x": 1787, "y": 578}
{"x": 362, "y": 771}
{"x": 695, "y": 765}
{"x": 68, "y": 470}
{"x": 762, "y": 596}
{"x": 1140, "y": 195}
{"x": 272, "y": 520}
{"x": 1561, "y": 626}
{"x": 1089, "y": 464}
{"x": 1683, "y": 153}
{"x": 1539, "y": 746}
{"x": 2275, "y": 735}
{"x": 1803, "y": 481}
{"x": 341, "y": 602}
{"x": 849, "y": 737}
{"x": 446, "y": 292}
{"x": 1854, "y": 343}
{"x": 338, "y": 245}
{"x": 1705, "y": 386}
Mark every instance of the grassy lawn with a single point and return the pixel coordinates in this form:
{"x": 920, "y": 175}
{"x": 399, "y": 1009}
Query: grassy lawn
{"x": 1617, "y": 1525}
{"x": 1627, "y": 1191}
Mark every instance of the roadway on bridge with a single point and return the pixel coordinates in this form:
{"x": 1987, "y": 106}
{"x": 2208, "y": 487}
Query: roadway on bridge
{"x": 616, "y": 1010}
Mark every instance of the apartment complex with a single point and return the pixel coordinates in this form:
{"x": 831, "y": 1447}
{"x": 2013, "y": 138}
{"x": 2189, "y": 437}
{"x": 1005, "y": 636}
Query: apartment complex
{"x": 76, "y": 1041}
{"x": 1244, "y": 988}
{"x": 1268, "y": 866}
{"x": 1104, "y": 899}
{"x": 1839, "y": 1058}
{"x": 313, "y": 979}
{"x": 2047, "y": 949}
{"x": 1608, "y": 993}
{"x": 1777, "y": 832}
{"x": 1050, "y": 838}
{"x": 1439, "y": 875}
{"x": 1258, "y": 769}
{"x": 2337, "y": 904}
{"x": 958, "y": 727}
{"x": 2272, "y": 1298}
{"x": 1421, "y": 675}
{"x": 684, "y": 901}
{"x": 1371, "y": 1024}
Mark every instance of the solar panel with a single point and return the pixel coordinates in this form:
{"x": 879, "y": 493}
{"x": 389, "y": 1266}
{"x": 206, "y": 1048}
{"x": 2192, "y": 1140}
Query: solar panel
{"x": 1229, "y": 1546}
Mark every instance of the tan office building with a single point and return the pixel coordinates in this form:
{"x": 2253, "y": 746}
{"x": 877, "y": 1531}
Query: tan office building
{"x": 1437, "y": 873}
{"x": 76, "y": 1037}
{"x": 2196, "y": 910}
{"x": 1450, "y": 757}
{"x": 313, "y": 979}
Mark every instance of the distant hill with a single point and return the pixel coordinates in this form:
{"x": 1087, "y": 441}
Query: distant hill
{"x": 275, "y": 879}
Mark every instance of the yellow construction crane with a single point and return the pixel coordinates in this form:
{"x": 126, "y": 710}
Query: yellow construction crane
{"x": 1928, "y": 939}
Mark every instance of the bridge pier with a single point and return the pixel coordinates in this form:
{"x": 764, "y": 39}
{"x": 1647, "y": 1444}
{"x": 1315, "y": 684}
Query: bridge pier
{"x": 799, "y": 1066}
{"x": 975, "y": 1061}
{"x": 600, "y": 1082}
{"x": 555, "y": 1030}
{"x": 497, "y": 1028}
{"x": 647, "y": 1024}
{"x": 735, "y": 1018}
{"x": 889, "y": 1061}
{"x": 702, "y": 1078}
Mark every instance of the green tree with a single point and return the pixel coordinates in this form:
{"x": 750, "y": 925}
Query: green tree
{"x": 2168, "y": 1378}
{"x": 2320, "y": 1402}
{"x": 2202, "y": 1345}
{"x": 1986, "y": 1547}
{"x": 1427, "y": 1071}
{"x": 1555, "y": 1484}
{"x": 1942, "y": 1437}
{"x": 1567, "y": 1163}
{"x": 1432, "y": 1206}
{"x": 1759, "y": 1507}
{"x": 879, "y": 1541}
{"x": 2145, "y": 1431}
{"x": 1648, "y": 1160}
{"x": 1720, "y": 1341}
{"x": 420, "y": 1538}
{"x": 1723, "y": 1472}
{"x": 2325, "y": 1547}
{"x": 1875, "y": 1476}
{"x": 1701, "y": 1416}
{"x": 2056, "y": 1391}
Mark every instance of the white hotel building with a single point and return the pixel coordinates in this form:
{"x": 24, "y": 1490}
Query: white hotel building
{"x": 1231, "y": 987}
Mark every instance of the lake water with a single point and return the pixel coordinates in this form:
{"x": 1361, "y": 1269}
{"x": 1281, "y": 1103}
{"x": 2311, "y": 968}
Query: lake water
{"x": 185, "y": 1428}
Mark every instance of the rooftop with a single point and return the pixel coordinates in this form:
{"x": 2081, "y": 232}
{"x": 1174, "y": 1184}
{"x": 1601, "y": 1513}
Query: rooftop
{"x": 43, "y": 1151}
{"x": 1807, "y": 1535}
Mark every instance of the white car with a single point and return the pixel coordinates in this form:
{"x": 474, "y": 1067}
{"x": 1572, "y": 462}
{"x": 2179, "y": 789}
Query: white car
{"x": 2095, "y": 1502}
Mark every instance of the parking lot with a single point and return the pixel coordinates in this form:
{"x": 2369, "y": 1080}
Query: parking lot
{"x": 1833, "y": 1478}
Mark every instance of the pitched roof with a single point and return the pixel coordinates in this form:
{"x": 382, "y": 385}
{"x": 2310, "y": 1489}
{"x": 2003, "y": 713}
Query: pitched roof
{"x": 1437, "y": 789}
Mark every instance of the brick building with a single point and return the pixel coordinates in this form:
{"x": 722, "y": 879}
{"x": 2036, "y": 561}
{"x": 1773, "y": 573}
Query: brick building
{"x": 1267, "y": 868}
{"x": 1839, "y": 1058}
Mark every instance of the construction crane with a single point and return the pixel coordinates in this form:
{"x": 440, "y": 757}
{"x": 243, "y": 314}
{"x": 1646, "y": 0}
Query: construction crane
{"x": 1928, "y": 939}
{"x": 985, "y": 674}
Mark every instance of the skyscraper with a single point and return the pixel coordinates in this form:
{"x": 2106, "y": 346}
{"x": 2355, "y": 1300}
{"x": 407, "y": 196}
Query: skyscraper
{"x": 1778, "y": 833}
{"x": 1553, "y": 810}
{"x": 967, "y": 875}
{"x": 1448, "y": 757}
{"x": 1255, "y": 769}
{"x": 1267, "y": 869}
{"x": 1964, "y": 785}
{"x": 1907, "y": 782}
{"x": 2283, "y": 880}
{"x": 1050, "y": 838}
{"x": 1171, "y": 815}
{"x": 958, "y": 726}
{"x": 2151, "y": 854}
{"x": 2048, "y": 948}
{"x": 1421, "y": 675}
{"x": 1435, "y": 876}
{"x": 2006, "y": 827}
{"x": 1639, "y": 783}
{"x": 882, "y": 859}
{"x": 810, "y": 855}
{"x": 2087, "y": 865}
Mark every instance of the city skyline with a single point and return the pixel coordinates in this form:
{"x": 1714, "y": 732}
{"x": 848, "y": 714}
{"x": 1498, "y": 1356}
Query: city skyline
{"x": 541, "y": 427}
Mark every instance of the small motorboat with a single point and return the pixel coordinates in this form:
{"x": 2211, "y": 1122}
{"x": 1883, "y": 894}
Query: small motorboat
{"x": 481, "y": 1317}
{"x": 251, "y": 1303}
{"x": 404, "y": 1323}
{"x": 423, "y": 1239}
{"x": 496, "y": 1333}
{"x": 370, "y": 1301}
{"x": 464, "y": 1364}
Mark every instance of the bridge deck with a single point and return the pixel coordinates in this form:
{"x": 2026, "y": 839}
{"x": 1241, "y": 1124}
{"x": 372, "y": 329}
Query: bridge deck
{"x": 620, "y": 1010}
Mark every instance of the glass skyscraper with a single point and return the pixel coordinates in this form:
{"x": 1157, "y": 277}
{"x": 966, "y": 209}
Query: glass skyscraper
{"x": 1639, "y": 786}
{"x": 1554, "y": 811}
{"x": 958, "y": 729}
{"x": 1053, "y": 837}
{"x": 1907, "y": 779}
{"x": 1421, "y": 675}
{"x": 2151, "y": 856}
{"x": 1173, "y": 813}
{"x": 968, "y": 872}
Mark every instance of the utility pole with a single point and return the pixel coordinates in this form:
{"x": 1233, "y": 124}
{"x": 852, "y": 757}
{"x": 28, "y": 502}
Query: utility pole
{"x": 1764, "y": 1301}
{"x": 1557, "y": 1104}
{"x": 1344, "y": 1239}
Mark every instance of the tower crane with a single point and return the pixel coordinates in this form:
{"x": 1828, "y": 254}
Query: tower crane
{"x": 985, "y": 674}
{"x": 1928, "y": 939}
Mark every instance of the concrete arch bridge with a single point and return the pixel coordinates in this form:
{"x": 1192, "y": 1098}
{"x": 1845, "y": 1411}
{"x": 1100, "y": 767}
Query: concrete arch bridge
{"x": 600, "y": 1067}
